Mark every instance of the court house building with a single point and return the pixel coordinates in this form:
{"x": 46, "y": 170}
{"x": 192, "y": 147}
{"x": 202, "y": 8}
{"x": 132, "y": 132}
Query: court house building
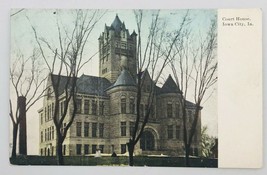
{"x": 106, "y": 106}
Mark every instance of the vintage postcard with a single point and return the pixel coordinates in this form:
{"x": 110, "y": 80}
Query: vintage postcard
{"x": 136, "y": 87}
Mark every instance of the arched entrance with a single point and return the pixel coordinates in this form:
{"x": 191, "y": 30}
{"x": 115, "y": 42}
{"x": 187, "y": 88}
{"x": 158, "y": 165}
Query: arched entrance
{"x": 147, "y": 141}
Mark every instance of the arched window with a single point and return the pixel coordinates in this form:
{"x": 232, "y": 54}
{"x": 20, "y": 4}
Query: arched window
{"x": 123, "y": 105}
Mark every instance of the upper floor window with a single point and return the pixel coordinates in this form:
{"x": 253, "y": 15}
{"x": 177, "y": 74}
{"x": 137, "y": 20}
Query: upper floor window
{"x": 86, "y": 107}
{"x": 42, "y": 118}
{"x": 94, "y": 107}
{"x": 79, "y": 129}
{"x": 86, "y": 129}
{"x": 42, "y": 139}
{"x": 123, "y": 128}
{"x": 101, "y": 108}
{"x": 123, "y": 105}
{"x": 132, "y": 125}
{"x": 132, "y": 105}
{"x": 169, "y": 110}
{"x": 79, "y": 106}
{"x": 101, "y": 130}
{"x": 94, "y": 129}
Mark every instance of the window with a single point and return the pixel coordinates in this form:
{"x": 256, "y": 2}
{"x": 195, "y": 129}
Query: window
{"x": 169, "y": 110}
{"x": 101, "y": 147}
{"x": 48, "y": 113}
{"x": 79, "y": 129}
{"x": 123, "y": 128}
{"x": 93, "y": 149}
{"x": 177, "y": 110}
{"x": 45, "y": 135}
{"x": 101, "y": 130}
{"x": 42, "y": 119}
{"x": 94, "y": 107}
{"x": 62, "y": 106}
{"x": 101, "y": 108}
{"x": 123, "y": 105}
{"x": 52, "y": 132}
{"x": 123, "y": 148}
{"x": 79, "y": 106}
{"x": 41, "y": 152}
{"x": 170, "y": 132}
{"x": 132, "y": 106}
{"x": 53, "y": 107}
{"x": 94, "y": 128}
{"x": 86, "y": 107}
{"x": 45, "y": 115}
{"x": 64, "y": 149}
{"x": 47, "y": 130}
{"x": 86, "y": 149}
{"x": 42, "y": 136}
{"x": 45, "y": 151}
{"x": 52, "y": 150}
{"x": 78, "y": 149}
{"x": 86, "y": 129}
{"x": 178, "y": 132}
{"x": 131, "y": 128}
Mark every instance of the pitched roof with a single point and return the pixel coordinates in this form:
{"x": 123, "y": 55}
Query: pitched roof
{"x": 86, "y": 84}
{"x": 170, "y": 86}
{"x": 92, "y": 85}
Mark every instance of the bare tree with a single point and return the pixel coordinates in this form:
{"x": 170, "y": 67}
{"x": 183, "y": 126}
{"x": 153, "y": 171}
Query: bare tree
{"x": 194, "y": 66}
{"x": 154, "y": 51}
{"x": 68, "y": 59}
{"x": 27, "y": 80}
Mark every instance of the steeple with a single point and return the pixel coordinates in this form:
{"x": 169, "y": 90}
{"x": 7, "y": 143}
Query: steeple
{"x": 117, "y": 24}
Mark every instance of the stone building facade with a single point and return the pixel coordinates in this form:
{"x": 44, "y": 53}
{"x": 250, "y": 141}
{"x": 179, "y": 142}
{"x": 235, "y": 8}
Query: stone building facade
{"x": 107, "y": 106}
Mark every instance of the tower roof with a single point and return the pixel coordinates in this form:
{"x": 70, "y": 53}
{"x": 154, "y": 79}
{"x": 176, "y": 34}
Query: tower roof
{"x": 170, "y": 86}
{"x": 117, "y": 25}
{"x": 124, "y": 79}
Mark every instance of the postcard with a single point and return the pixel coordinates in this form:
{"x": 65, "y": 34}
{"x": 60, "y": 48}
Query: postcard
{"x": 156, "y": 88}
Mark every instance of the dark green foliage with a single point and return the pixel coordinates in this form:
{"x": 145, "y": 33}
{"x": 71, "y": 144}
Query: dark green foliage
{"x": 114, "y": 161}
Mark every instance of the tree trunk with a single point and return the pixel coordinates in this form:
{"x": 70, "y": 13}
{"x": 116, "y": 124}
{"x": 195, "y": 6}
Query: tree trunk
{"x": 14, "y": 146}
{"x": 187, "y": 152}
{"x": 60, "y": 160}
{"x": 130, "y": 146}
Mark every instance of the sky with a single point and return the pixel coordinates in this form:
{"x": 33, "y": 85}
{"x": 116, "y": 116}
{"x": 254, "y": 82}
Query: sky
{"x": 22, "y": 40}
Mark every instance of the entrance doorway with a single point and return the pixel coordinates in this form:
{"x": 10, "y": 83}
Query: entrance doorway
{"x": 147, "y": 141}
